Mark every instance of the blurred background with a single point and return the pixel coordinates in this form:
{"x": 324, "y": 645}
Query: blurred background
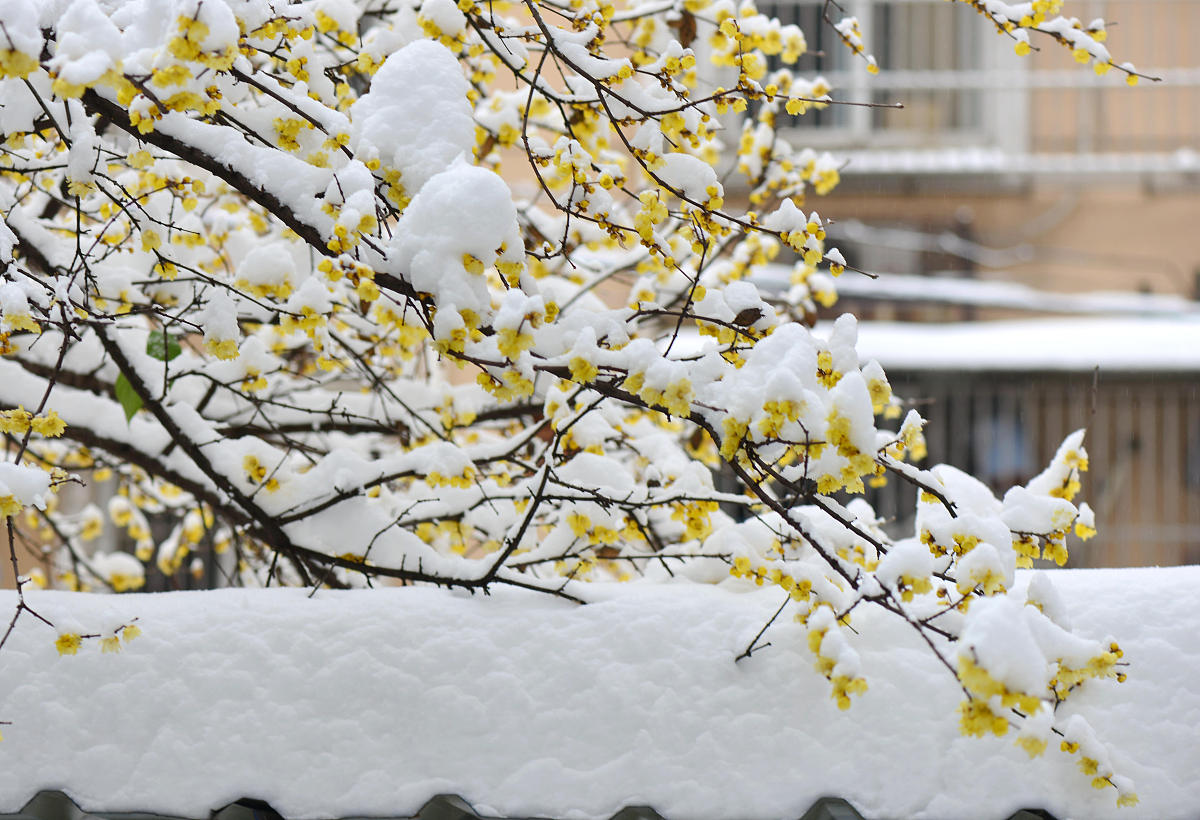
{"x": 1036, "y": 229}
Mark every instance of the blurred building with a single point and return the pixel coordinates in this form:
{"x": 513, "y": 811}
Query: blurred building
{"x": 1016, "y": 188}
{"x": 1029, "y": 169}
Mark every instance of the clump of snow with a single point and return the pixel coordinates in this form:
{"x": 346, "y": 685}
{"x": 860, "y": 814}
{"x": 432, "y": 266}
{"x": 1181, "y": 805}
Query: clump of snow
{"x": 21, "y": 26}
{"x": 14, "y": 304}
{"x": 268, "y": 267}
{"x": 429, "y": 245}
{"x": 416, "y": 117}
{"x": 24, "y": 484}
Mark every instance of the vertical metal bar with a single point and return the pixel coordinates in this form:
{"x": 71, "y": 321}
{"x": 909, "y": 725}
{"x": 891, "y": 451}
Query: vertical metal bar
{"x": 961, "y": 425}
{"x": 1117, "y": 498}
{"x": 1100, "y": 453}
{"x": 1136, "y": 499}
{"x": 1191, "y": 408}
{"x": 1171, "y": 476}
{"x": 1110, "y": 511}
{"x": 1099, "y": 447}
{"x": 1156, "y": 469}
{"x": 1008, "y": 407}
{"x": 977, "y": 442}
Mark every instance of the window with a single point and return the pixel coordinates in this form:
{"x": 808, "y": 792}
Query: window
{"x": 933, "y": 58}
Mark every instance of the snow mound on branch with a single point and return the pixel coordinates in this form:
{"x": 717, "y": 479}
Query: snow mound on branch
{"x": 416, "y": 115}
{"x": 465, "y": 211}
{"x": 368, "y": 703}
{"x": 24, "y": 484}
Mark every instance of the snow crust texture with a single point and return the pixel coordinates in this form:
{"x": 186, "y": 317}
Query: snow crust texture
{"x": 369, "y": 703}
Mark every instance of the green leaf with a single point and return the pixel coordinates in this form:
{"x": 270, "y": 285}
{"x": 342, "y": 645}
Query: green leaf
{"x": 130, "y": 400}
{"x": 162, "y": 346}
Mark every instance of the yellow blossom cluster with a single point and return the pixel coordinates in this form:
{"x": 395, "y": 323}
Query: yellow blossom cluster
{"x": 798, "y": 590}
{"x": 843, "y": 685}
{"x": 69, "y": 643}
{"x": 20, "y": 421}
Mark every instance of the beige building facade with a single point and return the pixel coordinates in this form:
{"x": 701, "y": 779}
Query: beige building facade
{"x": 1053, "y": 176}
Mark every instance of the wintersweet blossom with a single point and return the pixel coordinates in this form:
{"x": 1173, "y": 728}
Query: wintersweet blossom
{"x": 68, "y": 643}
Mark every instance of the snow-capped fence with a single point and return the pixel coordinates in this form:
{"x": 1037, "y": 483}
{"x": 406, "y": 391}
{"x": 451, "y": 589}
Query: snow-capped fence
{"x": 1001, "y": 395}
{"x": 364, "y": 704}
{"x": 1143, "y": 441}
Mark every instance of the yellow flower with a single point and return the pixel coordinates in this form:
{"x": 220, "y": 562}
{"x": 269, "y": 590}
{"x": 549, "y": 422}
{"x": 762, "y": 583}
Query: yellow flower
{"x": 677, "y": 398}
{"x": 845, "y": 686}
{"x": 93, "y": 526}
{"x": 825, "y": 371}
{"x": 22, "y": 321}
{"x": 222, "y": 348}
{"x": 471, "y": 264}
{"x": 49, "y": 425}
{"x": 130, "y": 632}
{"x": 695, "y": 518}
{"x": 254, "y": 468}
{"x": 511, "y": 341}
{"x": 80, "y": 188}
{"x": 15, "y": 63}
{"x": 68, "y": 643}
{"x": 15, "y": 421}
{"x": 1033, "y": 746}
{"x": 367, "y": 290}
{"x": 579, "y": 524}
{"x": 125, "y": 583}
{"x": 582, "y": 370}
{"x": 150, "y": 240}
{"x": 976, "y": 718}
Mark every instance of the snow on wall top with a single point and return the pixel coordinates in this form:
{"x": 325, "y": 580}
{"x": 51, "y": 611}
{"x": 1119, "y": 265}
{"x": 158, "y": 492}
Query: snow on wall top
{"x": 367, "y": 703}
{"x": 987, "y": 293}
{"x": 1037, "y": 344}
{"x": 983, "y": 160}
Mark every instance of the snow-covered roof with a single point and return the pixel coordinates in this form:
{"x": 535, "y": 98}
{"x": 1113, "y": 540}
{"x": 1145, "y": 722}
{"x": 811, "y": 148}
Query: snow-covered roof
{"x": 1064, "y": 344}
{"x": 954, "y": 288}
{"x": 367, "y": 703}
{"x": 984, "y": 160}
{"x": 1012, "y": 296}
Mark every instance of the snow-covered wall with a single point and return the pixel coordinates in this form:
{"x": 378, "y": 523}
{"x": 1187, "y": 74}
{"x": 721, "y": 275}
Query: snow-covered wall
{"x": 368, "y": 703}
{"x": 1057, "y": 345}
